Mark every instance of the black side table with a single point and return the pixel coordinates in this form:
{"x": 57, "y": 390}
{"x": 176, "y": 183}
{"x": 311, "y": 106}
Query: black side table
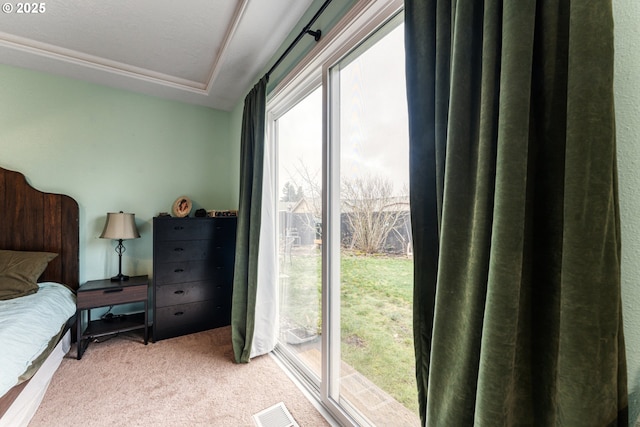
{"x": 102, "y": 293}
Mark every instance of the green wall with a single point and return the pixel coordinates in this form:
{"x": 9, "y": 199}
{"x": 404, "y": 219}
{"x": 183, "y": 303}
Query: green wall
{"x": 114, "y": 151}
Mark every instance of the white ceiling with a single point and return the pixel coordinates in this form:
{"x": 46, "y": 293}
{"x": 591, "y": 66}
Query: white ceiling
{"x": 205, "y": 52}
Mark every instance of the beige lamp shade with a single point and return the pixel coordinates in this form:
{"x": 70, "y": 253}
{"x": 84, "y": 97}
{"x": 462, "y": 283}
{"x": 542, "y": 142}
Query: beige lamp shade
{"x": 120, "y": 226}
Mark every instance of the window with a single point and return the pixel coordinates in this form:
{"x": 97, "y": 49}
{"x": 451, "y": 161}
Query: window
{"x": 339, "y": 131}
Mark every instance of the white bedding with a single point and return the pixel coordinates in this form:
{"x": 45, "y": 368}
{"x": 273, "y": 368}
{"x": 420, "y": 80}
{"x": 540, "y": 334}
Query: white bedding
{"x": 26, "y": 404}
{"x": 27, "y": 324}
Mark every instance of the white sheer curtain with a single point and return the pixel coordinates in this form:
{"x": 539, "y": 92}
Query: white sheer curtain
{"x": 266, "y": 313}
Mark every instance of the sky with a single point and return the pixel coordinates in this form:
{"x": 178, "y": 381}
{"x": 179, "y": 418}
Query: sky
{"x": 373, "y": 115}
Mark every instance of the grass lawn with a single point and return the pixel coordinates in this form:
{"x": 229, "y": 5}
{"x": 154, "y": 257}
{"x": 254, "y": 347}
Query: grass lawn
{"x": 376, "y": 316}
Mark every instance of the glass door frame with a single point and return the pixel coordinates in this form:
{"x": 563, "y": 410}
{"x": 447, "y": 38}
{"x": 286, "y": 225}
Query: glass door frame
{"x": 275, "y": 111}
{"x": 364, "y": 19}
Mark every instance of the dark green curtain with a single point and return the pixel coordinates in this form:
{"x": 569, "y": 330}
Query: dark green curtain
{"x": 247, "y": 236}
{"x": 517, "y": 306}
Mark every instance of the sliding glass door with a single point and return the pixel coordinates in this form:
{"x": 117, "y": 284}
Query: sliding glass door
{"x": 376, "y": 271}
{"x": 298, "y": 133}
{"x": 345, "y": 265}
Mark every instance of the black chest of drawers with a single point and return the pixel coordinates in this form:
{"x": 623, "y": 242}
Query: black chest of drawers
{"x": 192, "y": 274}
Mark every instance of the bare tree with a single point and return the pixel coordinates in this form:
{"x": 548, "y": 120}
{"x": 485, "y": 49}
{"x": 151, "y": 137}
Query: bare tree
{"x": 371, "y": 213}
{"x": 309, "y": 187}
{"x": 309, "y": 183}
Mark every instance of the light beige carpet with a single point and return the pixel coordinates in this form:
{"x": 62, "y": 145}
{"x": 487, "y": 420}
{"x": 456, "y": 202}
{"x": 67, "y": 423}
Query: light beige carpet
{"x": 185, "y": 381}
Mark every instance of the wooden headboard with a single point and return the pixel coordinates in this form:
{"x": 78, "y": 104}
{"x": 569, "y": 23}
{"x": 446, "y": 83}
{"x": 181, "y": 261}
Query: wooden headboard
{"x": 31, "y": 220}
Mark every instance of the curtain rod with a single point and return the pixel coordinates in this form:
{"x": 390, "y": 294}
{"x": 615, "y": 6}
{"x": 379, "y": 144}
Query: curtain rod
{"x": 306, "y": 30}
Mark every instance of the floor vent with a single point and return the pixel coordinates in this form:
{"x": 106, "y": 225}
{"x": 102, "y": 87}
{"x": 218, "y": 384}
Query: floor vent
{"x": 276, "y": 416}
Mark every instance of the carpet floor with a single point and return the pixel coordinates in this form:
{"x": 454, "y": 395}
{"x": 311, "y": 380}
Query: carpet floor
{"x": 184, "y": 381}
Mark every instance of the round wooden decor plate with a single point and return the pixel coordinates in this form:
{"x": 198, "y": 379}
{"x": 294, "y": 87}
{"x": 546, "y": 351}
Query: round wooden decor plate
{"x": 182, "y": 207}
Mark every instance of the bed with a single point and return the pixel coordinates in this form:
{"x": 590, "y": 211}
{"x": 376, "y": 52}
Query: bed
{"x": 38, "y": 243}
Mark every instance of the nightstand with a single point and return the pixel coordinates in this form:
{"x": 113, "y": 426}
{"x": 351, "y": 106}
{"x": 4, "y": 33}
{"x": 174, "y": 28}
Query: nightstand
{"x": 103, "y": 293}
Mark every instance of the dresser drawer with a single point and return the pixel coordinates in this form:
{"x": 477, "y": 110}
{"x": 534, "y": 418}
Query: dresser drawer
{"x": 188, "y": 318}
{"x": 189, "y": 271}
{"x": 184, "y": 250}
{"x": 111, "y": 296}
{"x": 224, "y": 230}
{"x": 183, "y": 228}
{"x": 183, "y": 293}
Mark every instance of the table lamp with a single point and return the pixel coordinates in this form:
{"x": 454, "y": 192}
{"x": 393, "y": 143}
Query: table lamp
{"x": 120, "y": 226}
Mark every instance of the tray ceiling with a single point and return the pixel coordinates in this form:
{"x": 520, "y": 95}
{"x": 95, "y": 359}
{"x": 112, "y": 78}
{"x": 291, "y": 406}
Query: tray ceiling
{"x": 205, "y": 52}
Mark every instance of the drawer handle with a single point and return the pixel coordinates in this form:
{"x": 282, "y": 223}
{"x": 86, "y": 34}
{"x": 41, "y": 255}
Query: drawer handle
{"x": 178, "y": 227}
{"x": 178, "y": 249}
{"x": 178, "y": 270}
{"x": 180, "y": 292}
{"x": 111, "y": 291}
{"x": 178, "y": 313}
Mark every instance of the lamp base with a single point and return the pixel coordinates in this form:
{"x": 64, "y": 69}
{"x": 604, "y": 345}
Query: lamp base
{"x": 120, "y": 278}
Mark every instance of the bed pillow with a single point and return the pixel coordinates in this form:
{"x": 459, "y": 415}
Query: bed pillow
{"x": 19, "y": 272}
